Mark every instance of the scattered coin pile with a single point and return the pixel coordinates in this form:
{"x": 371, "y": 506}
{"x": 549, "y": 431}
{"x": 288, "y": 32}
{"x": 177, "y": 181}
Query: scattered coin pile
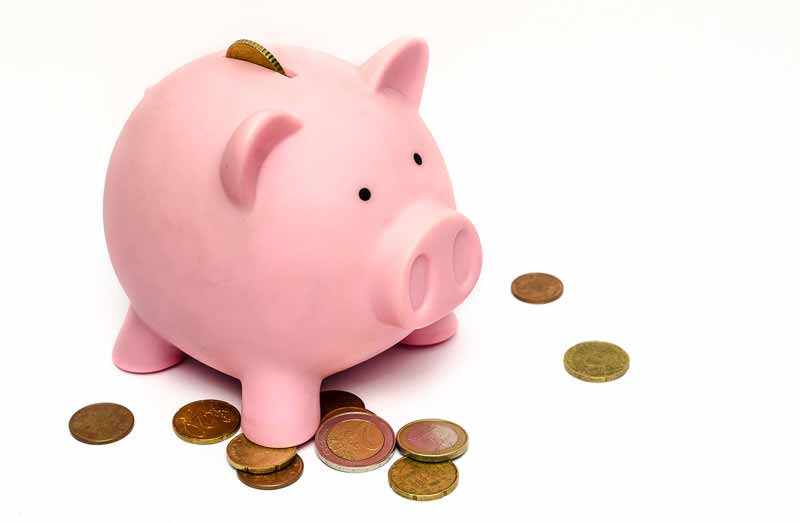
{"x": 350, "y": 438}
{"x": 592, "y": 361}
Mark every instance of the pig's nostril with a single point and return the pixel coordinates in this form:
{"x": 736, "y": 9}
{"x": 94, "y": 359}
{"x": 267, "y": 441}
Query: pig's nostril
{"x": 462, "y": 256}
{"x": 418, "y": 281}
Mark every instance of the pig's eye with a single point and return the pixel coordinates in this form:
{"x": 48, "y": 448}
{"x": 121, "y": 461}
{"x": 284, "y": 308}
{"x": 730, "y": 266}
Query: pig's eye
{"x": 417, "y": 159}
{"x": 364, "y": 194}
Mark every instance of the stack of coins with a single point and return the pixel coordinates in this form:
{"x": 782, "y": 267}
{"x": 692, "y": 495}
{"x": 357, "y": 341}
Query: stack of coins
{"x": 212, "y": 421}
{"x": 427, "y": 471}
{"x": 351, "y": 438}
{"x": 264, "y": 468}
{"x": 333, "y": 402}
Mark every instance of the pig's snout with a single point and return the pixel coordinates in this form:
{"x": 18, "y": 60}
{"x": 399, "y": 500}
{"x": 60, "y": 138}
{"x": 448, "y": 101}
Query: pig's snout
{"x": 429, "y": 261}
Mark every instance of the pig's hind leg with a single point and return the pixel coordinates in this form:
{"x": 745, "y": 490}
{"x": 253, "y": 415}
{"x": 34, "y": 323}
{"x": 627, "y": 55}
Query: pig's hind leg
{"x": 434, "y": 333}
{"x": 139, "y": 349}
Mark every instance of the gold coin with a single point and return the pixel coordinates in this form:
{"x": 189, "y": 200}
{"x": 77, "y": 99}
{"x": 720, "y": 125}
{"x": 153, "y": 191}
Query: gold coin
{"x": 537, "y": 287}
{"x": 355, "y": 439}
{"x": 596, "y": 361}
{"x": 245, "y": 455}
{"x": 274, "y": 480}
{"x": 101, "y": 423}
{"x": 206, "y": 421}
{"x": 423, "y": 481}
{"x": 432, "y": 440}
{"x": 335, "y": 399}
{"x": 255, "y": 53}
{"x": 343, "y": 410}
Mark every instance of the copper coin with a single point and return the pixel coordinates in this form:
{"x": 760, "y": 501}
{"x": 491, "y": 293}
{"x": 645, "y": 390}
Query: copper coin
{"x": 206, "y": 421}
{"x": 343, "y": 410}
{"x": 355, "y": 442}
{"x": 101, "y": 423}
{"x": 274, "y": 480}
{"x": 423, "y": 481}
{"x": 245, "y": 455}
{"x": 432, "y": 440}
{"x": 334, "y": 399}
{"x": 537, "y": 287}
{"x": 596, "y": 361}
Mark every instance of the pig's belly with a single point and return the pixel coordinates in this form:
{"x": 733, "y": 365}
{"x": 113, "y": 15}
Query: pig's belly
{"x": 237, "y": 367}
{"x": 311, "y": 350}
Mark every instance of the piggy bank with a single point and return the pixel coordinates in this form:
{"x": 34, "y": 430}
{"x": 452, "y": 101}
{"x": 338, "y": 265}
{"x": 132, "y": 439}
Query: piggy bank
{"x": 283, "y": 227}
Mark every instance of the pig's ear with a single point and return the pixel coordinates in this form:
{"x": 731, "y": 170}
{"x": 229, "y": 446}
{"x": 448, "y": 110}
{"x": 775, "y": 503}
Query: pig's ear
{"x": 247, "y": 150}
{"x": 400, "y": 66}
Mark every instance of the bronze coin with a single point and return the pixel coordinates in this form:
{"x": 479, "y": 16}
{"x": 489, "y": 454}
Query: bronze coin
{"x": 274, "y": 480}
{"x": 537, "y": 287}
{"x": 101, "y": 423}
{"x": 343, "y": 410}
{"x": 355, "y": 442}
{"x": 245, "y": 455}
{"x": 432, "y": 440}
{"x": 596, "y": 361}
{"x": 206, "y": 421}
{"x": 255, "y": 53}
{"x": 423, "y": 481}
{"x": 335, "y": 399}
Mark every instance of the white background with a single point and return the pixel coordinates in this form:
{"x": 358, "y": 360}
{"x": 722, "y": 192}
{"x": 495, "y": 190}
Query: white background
{"x": 645, "y": 152}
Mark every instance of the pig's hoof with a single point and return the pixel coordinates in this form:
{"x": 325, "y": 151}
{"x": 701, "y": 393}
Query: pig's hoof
{"x": 138, "y": 349}
{"x": 280, "y": 410}
{"x": 438, "y": 332}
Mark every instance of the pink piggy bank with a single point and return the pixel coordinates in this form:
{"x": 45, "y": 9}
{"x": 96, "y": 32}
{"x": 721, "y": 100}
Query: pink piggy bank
{"x": 281, "y": 228}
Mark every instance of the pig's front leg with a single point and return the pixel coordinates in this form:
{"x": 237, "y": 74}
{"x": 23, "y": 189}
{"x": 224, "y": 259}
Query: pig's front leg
{"x": 434, "y": 333}
{"x": 279, "y": 409}
{"x": 139, "y": 349}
